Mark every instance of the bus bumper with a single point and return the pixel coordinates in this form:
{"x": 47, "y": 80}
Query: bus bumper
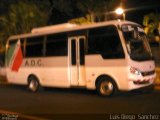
{"x": 140, "y": 83}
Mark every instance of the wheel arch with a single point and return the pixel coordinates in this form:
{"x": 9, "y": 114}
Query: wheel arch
{"x": 109, "y": 77}
{"x": 33, "y": 75}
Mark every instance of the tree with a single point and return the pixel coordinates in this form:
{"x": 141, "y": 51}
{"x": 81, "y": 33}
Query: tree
{"x": 151, "y": 21}
{"x": 21, "y": 18}
{"x": 61, "y": 11}
{"x": 97, "y": 8}
{"x": 152, "y": 24}
{"x": 62, "y": 6}
{"x": 81, "y": 20}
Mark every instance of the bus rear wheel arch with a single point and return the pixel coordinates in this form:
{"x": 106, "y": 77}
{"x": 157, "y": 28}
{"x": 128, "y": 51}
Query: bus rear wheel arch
{"x": 106, "y": 86}
{"x": 33, "y": 83}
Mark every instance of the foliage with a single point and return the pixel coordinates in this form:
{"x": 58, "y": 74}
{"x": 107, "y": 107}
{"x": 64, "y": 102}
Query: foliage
{"x": 81, "y": 20}
{"x": 21, "y": 18}
{"x": 96, "y": 9}
{"x": 151, "y": 22}
{"x": 64, "y": 6}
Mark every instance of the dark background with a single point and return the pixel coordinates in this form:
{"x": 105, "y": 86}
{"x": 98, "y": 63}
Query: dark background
{"x": 136, "y": 9}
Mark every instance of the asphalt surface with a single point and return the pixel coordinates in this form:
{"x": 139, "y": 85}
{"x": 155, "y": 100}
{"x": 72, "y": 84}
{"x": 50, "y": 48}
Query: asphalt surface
{"x": 74, "y": 103}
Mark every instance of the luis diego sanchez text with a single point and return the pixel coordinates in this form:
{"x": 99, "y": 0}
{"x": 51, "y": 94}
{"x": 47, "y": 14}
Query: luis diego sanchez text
{"x": 134, "y": 117}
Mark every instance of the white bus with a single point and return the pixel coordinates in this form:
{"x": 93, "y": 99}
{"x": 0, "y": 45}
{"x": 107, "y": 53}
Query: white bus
{"x": 106, "y": 56}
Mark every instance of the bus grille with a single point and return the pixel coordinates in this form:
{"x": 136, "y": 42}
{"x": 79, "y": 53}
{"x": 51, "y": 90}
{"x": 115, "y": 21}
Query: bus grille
{"x": 148, "y": 73}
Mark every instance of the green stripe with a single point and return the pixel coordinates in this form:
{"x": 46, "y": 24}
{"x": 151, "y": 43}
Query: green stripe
{"x": 10, "y": 53}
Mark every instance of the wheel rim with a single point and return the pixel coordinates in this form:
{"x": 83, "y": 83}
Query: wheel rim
{"x": 106, "y": 88}
{"x": 33, "y": 85}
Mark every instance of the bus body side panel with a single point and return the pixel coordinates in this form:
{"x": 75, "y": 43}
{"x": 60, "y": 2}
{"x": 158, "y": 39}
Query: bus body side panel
{"x": 50, "y": 71}
{"x": 19, "y": 77}
{"x": 115, "y": 68}
{"x": 55, "y": 73}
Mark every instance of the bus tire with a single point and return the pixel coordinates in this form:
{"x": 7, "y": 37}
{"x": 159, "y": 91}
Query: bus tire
{"x": 33, "y": 84}
{"x": 106, "y": 86}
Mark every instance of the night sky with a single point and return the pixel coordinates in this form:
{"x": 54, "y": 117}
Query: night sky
{"x": 136, "y": 9}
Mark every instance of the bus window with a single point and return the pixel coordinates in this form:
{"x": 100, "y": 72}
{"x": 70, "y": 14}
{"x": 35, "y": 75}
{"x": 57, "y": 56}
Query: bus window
{"x": 82, "y": 51}
{"x": 136, "y": 42}
{"x": 22, "y": 45}
{"x": 11, "y": 43}
{"x": 56, "y": 45}
{"x": 105, "y": 41}
{"x": 73, "y": 49}
{"x": 34, "y": 47}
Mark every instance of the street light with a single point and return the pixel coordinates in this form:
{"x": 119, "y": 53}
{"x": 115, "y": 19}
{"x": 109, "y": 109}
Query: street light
{"x": 120, "y": 11}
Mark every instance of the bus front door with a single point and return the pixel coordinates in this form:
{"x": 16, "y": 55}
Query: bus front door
{"x": 77, "y": 60}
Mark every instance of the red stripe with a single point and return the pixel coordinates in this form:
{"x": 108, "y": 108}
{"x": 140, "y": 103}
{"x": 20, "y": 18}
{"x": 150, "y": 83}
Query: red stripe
{"x": 18, "y": 60}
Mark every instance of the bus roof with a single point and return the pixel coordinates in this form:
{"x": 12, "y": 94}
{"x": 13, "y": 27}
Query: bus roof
{"x": 53, "y": 28}
{"x": 66, "y": 27}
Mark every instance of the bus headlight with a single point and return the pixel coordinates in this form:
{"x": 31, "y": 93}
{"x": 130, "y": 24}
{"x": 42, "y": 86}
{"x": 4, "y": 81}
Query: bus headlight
{"x": 135, "y": 71}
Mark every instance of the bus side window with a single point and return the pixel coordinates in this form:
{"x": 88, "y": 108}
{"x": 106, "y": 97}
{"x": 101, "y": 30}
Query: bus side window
{"x": 11, "y": 43}
{"x": 56, "y": 45}
{"x": 105, "y": 41}
{"x": 34, "y": 47}
{"x": 22, "y": 46}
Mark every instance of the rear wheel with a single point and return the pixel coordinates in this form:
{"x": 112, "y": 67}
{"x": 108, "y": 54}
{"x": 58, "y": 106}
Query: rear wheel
{"x": 106, "y": 86}
{"x": 33, "y": 84}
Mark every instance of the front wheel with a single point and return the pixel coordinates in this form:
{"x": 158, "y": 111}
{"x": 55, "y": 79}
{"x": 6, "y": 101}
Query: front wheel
{"x": 33, "y": 84}
{"x": 106, "y": 86}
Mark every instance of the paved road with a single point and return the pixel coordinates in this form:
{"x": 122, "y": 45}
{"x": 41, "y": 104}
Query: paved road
{"x": 75, "y": 102}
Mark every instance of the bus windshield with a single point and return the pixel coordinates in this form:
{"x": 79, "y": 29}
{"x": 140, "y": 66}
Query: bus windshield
{"x": 136, "y": 42}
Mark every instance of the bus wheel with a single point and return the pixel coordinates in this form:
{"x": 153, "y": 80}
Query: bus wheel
{"x": 106, "y": 86}
{"x": 33, "y": 84}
